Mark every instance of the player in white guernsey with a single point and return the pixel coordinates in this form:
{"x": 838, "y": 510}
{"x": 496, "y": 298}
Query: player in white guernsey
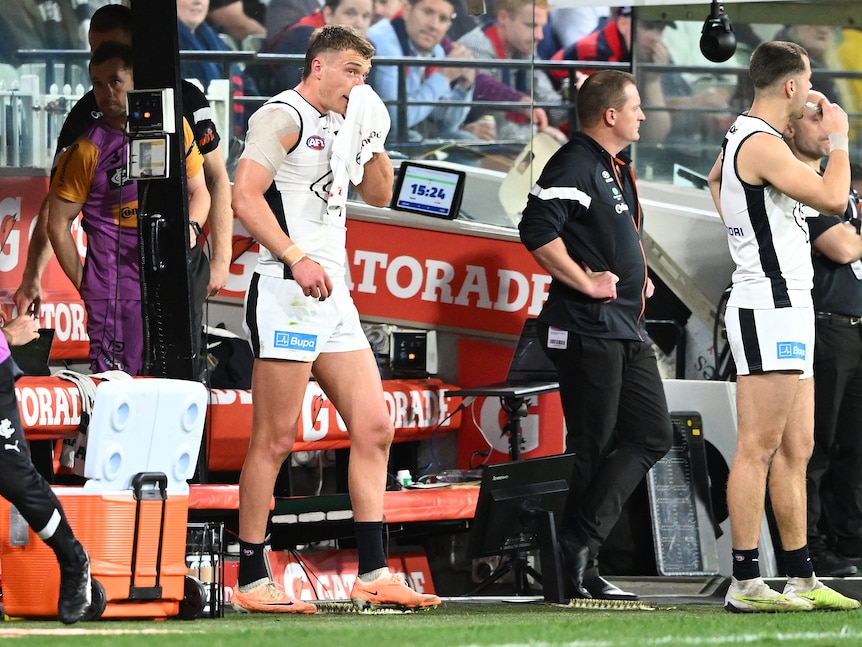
{"x": 300, "y": 317}
{"x": 757, "y": 185}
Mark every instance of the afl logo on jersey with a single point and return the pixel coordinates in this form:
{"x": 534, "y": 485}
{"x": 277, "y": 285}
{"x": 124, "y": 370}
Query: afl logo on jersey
{"x": 316, "y": 143}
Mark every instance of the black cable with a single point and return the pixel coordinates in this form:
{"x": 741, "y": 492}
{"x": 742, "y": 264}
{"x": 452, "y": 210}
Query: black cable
{"x": 433, "y": 437}
{"x": 147, "y": 367}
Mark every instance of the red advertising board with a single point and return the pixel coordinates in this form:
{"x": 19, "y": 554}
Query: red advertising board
{"x": 62, "y": 308}
{"x": 434, "y": 277}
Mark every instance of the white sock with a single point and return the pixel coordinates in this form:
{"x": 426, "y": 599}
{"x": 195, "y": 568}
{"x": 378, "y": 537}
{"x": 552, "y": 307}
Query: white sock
{"x": 374, "y": 575}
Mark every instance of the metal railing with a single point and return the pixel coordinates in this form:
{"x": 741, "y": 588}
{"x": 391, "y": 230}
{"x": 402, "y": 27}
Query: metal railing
{"x": 31, "y": 112}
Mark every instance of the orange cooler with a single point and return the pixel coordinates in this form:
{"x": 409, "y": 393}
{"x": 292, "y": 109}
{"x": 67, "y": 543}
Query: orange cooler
{"x": 137, "y": 545}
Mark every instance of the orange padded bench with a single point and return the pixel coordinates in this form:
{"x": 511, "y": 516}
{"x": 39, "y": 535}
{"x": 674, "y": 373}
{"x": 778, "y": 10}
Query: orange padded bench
{"x": 404, "y": 506}
{"x": 204, "y": 496}
{"x": 301, "y": 520}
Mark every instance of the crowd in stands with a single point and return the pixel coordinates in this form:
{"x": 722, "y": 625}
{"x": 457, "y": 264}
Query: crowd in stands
{"x": 676, "y": 103}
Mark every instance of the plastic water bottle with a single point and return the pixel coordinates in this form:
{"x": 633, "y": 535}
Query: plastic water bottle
{"x": 404, "y": 477}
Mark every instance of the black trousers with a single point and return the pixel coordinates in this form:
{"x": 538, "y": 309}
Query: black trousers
{"x": 199, "y": 271}
{"x": 834, "y": 476}
{"x": 20, "y": 483}
{"x": 617, "y": 425}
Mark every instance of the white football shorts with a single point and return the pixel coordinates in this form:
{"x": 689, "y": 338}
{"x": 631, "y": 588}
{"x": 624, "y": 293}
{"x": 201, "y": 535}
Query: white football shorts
{"x": 283, "y": 323}
{"x": 777, "y": 339}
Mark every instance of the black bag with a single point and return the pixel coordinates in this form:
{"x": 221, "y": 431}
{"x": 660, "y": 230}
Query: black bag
{"x": 229, "y": 359}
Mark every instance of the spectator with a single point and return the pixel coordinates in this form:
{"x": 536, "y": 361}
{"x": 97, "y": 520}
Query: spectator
{"x": 283, "y": 14}
{"x": 567, "y": 26}
{"x": 418, "y": 31}
{"x": 197, "y": 34}
{"x": 513, "y": 34}
{"x": 672, "y": 90}
{"x": 611, "y": 43}
{"x": 231, "y": 17}
{"x": 355, "y": 13}
{"x": 91, "y": 179}
{"x": 849, "y": 55}
{"x": 817, "y": 41}
{"x": 40, "y": 24}
{"x": 385, "y": 9}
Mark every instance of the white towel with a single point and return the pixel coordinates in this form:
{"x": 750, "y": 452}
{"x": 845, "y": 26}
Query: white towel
{"x": 362, "y": 134}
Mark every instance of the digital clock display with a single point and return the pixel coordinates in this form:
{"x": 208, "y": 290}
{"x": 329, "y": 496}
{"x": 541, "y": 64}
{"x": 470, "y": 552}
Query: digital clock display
{"x": 428, "y": 190}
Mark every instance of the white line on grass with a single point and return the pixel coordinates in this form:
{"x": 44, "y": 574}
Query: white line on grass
{"x": 794, "y": 638}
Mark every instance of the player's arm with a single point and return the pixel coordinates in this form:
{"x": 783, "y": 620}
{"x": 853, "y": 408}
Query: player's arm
{"x": 61, "y": 213}
{"x": 376, "y": 186}
{"x": 270, "y": 135}
{"x": 765, "y": 159}
{"x": 713, "y": 179}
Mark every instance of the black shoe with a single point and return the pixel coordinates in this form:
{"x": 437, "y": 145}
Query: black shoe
{"x": 828, "y": 564}
{"x": 75, "y": 592}
{"x": 601, "y": 589}
{"x": 576, "y": 558}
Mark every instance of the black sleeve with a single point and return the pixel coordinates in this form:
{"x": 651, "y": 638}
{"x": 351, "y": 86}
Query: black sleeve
{"x": 218, "y": 4}
{"x": 82, "y": 115}
{"x": 198, "y": 112}
{"x": 548, "y": 208}
{"x": 820, "y": 223}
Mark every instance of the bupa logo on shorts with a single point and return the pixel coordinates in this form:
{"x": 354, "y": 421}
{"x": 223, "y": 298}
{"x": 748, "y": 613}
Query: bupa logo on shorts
{"x": 294, "y": 340}
{"x": 791, "y": 350}
{"x": 316, "y": 143}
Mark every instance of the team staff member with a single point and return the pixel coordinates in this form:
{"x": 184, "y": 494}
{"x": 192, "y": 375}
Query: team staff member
{"x": 300, "y": 317}
{"x": 583, "y": 224}
{"x": 91, "y": 179}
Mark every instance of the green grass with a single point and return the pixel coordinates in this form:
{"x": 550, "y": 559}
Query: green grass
{"x": 460, "y": 624}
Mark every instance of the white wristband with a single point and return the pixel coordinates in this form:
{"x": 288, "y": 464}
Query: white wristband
{"x": 839, "y": 142}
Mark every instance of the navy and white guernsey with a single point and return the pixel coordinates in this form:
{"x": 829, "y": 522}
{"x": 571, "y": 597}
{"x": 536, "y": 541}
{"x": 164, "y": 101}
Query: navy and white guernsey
{"x": 766, "y": 232}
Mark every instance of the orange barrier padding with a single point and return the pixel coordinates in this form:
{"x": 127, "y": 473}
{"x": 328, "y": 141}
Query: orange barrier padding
{"x": 216, "y": 497}
{"x": 439, "y": 504}
{"x": 51, "y": 408}
{"x": 419, "y": 408}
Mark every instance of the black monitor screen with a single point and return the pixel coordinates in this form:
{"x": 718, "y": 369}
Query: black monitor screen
{"x": 32, "y": 358}
{"x": 509, "y": 493}
{"x": 429, "y": 190}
